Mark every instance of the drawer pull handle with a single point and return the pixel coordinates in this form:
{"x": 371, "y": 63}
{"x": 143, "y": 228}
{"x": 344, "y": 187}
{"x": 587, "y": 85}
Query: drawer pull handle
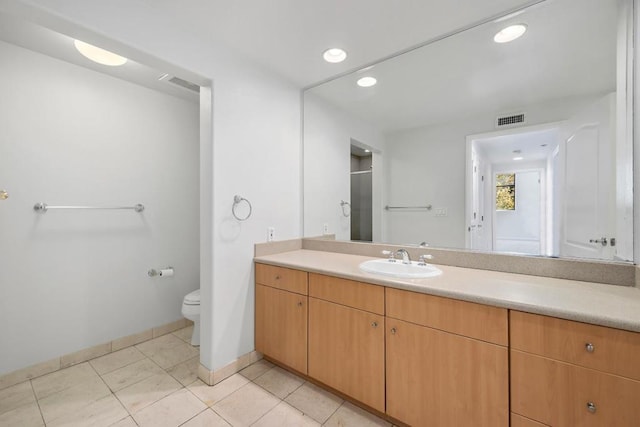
{"x": 589, "y": 347}
{"x": 374, "y": 324}
{"x": 591, "y": 407}
{"x": 393, "y": 331}
{"x": 299, "y": 303}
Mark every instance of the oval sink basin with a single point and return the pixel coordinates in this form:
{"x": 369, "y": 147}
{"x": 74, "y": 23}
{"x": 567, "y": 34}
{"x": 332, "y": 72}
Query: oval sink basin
{"x": 400, "y": 270}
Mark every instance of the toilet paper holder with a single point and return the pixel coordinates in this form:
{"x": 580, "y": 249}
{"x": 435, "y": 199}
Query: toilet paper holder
{"x": 161, "y": 272}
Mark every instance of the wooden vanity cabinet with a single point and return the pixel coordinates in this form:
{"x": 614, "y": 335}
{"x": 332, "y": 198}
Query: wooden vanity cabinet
{"x": 446, "y": 361}
{"x": 281, "y": 315}
{"x": 346, "y": 338}
{"x": 566, "y": 373}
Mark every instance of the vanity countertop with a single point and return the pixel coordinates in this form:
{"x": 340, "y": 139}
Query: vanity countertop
{"x": 600, "y": 304}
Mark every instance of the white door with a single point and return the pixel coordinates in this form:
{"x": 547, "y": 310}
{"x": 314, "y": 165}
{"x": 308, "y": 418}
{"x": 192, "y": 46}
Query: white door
{"x": 588, "y": 195}
{"x": 476, "y": 217}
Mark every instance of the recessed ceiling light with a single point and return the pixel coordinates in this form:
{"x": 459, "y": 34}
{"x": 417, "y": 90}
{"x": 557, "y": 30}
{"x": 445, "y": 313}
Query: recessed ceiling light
{"x": 99, "y": 55}
{"x": 334, "y": 55}
{"x": 510, "y": 33}
{"x": 367, "y": 81}
{"x": 518, "y": 158}
{"x": 367, "y": 151}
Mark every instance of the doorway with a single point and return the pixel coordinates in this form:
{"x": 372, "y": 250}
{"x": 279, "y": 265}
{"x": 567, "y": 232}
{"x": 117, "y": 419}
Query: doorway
{"x": 361, "y": 194}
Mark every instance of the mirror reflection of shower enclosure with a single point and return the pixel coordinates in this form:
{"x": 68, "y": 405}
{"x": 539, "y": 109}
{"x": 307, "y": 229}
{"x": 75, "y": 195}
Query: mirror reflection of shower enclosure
{"x": 361, "y": 195}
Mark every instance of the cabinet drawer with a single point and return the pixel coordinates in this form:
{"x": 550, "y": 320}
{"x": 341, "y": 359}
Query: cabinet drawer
{"x": 362, "y": 296}
{"x": 597, "y": 347}
{"x": 282, "y": 278}
{"x": 559, "y": 394}
{"x": 459, "y": 317}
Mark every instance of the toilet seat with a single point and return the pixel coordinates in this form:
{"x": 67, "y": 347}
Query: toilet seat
{"x": 192, "y": 298}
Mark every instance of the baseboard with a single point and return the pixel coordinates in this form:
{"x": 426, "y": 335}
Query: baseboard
{"x": 64, "y": 361}
{"x": 214, "y": 377}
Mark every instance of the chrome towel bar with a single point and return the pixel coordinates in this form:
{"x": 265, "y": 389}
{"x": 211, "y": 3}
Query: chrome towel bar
{"x": 428, "y": 207}
{"x": 43, "y": 207}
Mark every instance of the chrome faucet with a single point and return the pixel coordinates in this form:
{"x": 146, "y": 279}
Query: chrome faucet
{"x": 406, "y": 259}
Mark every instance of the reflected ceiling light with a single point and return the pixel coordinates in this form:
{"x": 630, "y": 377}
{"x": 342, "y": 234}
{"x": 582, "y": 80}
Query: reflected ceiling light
{"x": 334, "y": 55}
{"x": 367, "y": 81}
{"x": 367, "y": 151}
{"x": 99, "y": 55}
{"x": 510, "y": 33}
{"x": 518, "y": 158}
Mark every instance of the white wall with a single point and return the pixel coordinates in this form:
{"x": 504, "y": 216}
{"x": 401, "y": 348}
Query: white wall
{"x": 72, "y": 136}
{"x": 253, "y": 150}
{"x": 427, "y": 166}
{"x": 328, "y": 132}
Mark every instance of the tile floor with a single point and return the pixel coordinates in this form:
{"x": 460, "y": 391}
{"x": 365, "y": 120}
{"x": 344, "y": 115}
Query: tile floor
{"x": 156, "y": 384}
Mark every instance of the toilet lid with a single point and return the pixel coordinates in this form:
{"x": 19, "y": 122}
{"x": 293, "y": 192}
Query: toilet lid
{"x": 192, "y": 298}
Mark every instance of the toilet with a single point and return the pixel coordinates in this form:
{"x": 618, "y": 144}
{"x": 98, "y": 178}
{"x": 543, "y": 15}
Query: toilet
{"x": 191, "y": 311}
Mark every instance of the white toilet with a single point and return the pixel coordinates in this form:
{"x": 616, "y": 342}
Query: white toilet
{"x": 191, "y": 311}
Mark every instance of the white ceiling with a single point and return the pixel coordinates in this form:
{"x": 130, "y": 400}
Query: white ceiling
{"x": 569, "y": 51}
{"x": 289, "y": 36}
{"x": 531, "y": 146}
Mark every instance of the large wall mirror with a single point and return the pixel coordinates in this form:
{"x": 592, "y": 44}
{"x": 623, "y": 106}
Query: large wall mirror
{"x": 467, "y": 142}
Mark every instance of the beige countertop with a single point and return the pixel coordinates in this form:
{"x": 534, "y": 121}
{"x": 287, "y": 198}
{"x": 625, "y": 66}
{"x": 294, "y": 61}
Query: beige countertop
{"x": 601, "y": 304}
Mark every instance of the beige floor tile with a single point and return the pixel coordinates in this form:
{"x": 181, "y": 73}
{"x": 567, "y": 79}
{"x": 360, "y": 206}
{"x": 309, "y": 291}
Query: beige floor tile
{"x": 16, "y": 396}
{"x": 131, "y": 374}
{"x": 186, "y": 372}
{"x": 72, "y": 399}
{"x": 104, "y": 412}
{"x": 171, "y": 411}
{"x": 285, "y": 415}
{"x": 116, "y": 360}
{"x": 127, "y": 422}
{"x": 349, "y": 415}
{"x": 279, "y": 382}
{"x": 185, "y": 334}
{"x": 254, "y": 370}
{"x": 24, "y": 416}
{"x": 211, "y": 395}
{"x": 63, "y": 379}
{"x": 168, "y": 350}
{"x": 315, "y": 402}
{"x": 206, "y": 418}
{"x": 246, "y": 405}
{"x": 147, "y": 391}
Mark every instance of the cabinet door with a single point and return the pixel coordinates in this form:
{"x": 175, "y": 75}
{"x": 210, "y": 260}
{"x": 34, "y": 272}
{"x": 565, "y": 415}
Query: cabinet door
{"x": 436, "y": 378}
{"x": 346, "y": 351}
{"x": 564, "y": 395}
{"x": 281, "y": 326}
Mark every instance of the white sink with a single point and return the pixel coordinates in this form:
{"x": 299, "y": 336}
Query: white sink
{"x": 400, "y": 270}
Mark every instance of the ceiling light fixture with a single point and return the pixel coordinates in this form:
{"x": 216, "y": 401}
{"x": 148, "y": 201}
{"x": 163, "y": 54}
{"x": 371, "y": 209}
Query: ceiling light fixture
{"x": 518, "y": 158}
{"x": 367, "y": 151}
{"x": 510, "y": 33}
{"x": 334, "y": 55}
{"x": 367, "y": 81}
{"x": 99, "y": 55}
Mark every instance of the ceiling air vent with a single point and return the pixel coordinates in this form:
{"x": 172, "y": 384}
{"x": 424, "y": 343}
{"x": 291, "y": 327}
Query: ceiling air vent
{"x": 179, "y": 82}
{"x": 185, "y": 84}
{"x": 510, "y": 120}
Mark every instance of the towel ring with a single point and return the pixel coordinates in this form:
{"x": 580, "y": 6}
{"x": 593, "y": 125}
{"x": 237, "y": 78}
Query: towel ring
{"x": 236, "y": 201}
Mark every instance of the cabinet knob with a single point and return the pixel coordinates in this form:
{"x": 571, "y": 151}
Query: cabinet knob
{"x": 393, "y": 331}
{"x": 589, "y": 347}
{"x": 374, "y": 324}
{"x": 591, "y": 407}
{"x": 4, "y": 195}
{"x": 278, "y": 277}
{"x": 299, "y": 303}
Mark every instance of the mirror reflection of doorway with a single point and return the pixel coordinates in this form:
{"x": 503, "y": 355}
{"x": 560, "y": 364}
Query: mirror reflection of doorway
{"x": 361, "y": 194}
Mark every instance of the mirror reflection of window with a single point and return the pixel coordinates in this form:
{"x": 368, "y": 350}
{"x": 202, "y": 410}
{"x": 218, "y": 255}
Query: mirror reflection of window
{"x": 506, "y": 191}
